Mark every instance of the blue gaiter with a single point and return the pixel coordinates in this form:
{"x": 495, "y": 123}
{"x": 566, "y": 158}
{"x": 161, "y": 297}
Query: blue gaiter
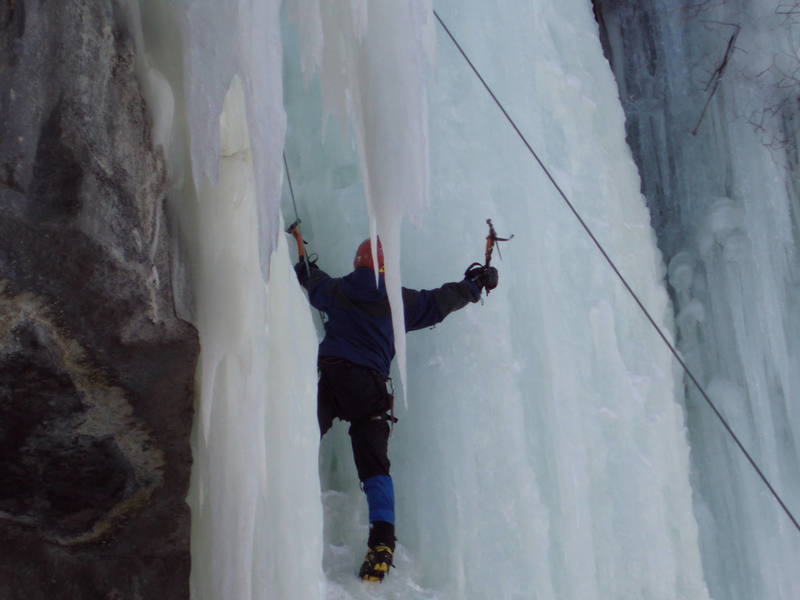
{"x": 380, "y": 498}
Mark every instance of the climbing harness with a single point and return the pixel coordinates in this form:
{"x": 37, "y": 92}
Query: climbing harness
{"x": 388, "y": 413}
{"x": 382, "y": 381}
{"x": 625, "y": 283}
{"x": 389, "y": 416}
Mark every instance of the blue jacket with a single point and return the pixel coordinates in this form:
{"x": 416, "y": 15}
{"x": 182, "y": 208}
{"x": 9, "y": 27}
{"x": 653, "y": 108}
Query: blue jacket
{"x": 359, "y": 325}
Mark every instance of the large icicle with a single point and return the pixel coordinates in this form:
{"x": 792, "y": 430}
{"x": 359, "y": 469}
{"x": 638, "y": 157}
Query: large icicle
{"x": 372, "y": 59}
{"x": 256, "y": 515}
{"x": 223, "y": 39}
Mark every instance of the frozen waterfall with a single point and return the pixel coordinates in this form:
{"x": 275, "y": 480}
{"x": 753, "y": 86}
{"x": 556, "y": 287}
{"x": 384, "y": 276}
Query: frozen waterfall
{"x": 725, "y": 202}
{"x": 544, "y": 452}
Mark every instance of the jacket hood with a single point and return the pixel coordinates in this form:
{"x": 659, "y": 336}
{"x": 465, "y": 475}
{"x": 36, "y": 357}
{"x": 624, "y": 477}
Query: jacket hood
{"x": 360, "y": 284}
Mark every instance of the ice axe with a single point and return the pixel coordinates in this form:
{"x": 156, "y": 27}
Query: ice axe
{"x": 491, "y": 241}
{"x": 294, "y": 229}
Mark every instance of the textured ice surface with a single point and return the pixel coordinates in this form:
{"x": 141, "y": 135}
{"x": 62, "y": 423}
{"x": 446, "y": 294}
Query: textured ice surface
{"x": 255, "y": 490}
{"x": 543, "y": 453}
{"x": 256, "y": 513}
{"x": 726, "y": 204}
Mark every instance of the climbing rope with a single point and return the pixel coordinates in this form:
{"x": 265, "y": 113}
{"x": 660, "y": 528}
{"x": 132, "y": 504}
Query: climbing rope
{"x": 301, "y": 255}
{"x": 613, "y": 266}
{"x": 307, "y": 260}
{"x": 291, "y": 189}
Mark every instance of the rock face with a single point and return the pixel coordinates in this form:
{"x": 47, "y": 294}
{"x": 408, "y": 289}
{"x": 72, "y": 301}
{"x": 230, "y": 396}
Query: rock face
{"x": 96, "y": 371}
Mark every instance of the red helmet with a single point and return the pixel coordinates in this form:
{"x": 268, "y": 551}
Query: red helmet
{"x": 363, "y": 256}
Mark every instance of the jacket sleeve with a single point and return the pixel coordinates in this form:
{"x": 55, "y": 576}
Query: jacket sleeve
{"x": 317, "y": 282}
{"x": 426, "y": 308}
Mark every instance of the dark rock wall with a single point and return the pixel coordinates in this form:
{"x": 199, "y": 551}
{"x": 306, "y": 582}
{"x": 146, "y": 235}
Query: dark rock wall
{"x": 96, "y": 371}
{"x": 634, "y": 46}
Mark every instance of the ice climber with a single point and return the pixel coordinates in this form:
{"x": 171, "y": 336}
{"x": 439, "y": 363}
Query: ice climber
{"x": 354, "y": 360}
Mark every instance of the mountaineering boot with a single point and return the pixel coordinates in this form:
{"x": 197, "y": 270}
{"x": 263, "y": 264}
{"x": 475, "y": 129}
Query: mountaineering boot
{"x": 379, "y": 556}
{"x": 376, "y": 563}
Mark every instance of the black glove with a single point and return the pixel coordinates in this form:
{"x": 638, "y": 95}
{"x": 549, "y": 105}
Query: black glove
{"x": 483, "y": 277}
{"x": 302, "y": 270}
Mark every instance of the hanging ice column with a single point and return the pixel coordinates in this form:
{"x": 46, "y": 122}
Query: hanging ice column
{"x": 254, "y": 490}
{"x": 372, "y": 59}
{"x": 256, "y": 516}
{"x": 544, "y": 451}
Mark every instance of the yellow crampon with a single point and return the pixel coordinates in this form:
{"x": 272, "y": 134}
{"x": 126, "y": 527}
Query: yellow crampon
{"x": 377, "y": 563}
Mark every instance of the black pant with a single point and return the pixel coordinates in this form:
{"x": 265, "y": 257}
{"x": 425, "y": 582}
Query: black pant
{"x": 356, "y": 394}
